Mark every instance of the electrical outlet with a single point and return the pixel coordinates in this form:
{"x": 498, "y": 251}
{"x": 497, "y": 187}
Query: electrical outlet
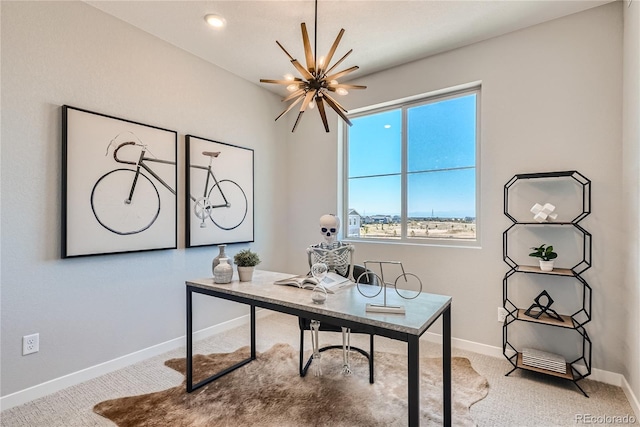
{"x": 502, "y": 314}
{"x": 30, "y": 344}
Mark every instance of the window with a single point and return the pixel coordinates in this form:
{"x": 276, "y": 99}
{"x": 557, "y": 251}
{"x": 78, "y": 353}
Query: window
{"x": 411, "y": 170}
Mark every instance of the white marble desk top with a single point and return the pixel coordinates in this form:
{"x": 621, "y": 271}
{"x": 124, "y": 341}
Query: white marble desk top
{"x": 346, "y": 304}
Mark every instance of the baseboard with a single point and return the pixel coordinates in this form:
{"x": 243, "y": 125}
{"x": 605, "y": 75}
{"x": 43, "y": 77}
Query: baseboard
{"x": 599, "y": 375}
{"x": 633, "y": 399}
{"x": 57, "y": 384}
{"x": 41, "y": 390}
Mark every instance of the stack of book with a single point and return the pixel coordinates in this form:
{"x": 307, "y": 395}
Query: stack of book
{"x": 544, "y": 360}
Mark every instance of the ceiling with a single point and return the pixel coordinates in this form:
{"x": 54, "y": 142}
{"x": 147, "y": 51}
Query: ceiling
{"x": 382, "y": 34}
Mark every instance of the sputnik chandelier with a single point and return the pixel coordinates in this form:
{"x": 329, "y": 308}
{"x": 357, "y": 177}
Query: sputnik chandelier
{"x": 317, "y": 80}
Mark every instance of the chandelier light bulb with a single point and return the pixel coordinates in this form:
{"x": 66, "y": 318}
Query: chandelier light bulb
{"x": 292, "y": 88}
{"x": 288, "y": 77}
{"x": 312, "y": 105}
{"x": 342, "y": 91}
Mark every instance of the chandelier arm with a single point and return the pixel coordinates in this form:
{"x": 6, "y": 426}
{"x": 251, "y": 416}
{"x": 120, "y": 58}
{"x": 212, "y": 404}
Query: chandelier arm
{"x": 293, "y": 104}
{"x": 293, "y": 95}
{"x": 342, "y": 73}
{"x": 333, "y": 100}
{"x": 282, "y": 82}
{"x": 303, "y": 71}
{"x": 332, "y": 51}
{"x": 340, "y": 113}
{"x": 307, "y": 49}
{"x": 337, "y": 63}
{"x": 323, "y": 114}
{"x": 344, "y": 86}
{"x": 337, "y": 109}
{"x": 307, "y": 99}
{"x": 285, "y": 51}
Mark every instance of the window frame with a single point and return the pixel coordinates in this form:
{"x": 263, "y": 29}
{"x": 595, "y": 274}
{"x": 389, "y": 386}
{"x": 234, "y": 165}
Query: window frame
{"x": 404, "y": 105}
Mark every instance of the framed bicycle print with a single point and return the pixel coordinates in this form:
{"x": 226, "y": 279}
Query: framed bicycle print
{"x": 219, "y": 199}
{"x": 119, "y": 181}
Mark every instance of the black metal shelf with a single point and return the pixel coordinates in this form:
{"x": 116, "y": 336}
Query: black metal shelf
{"x": 580, "y": 367}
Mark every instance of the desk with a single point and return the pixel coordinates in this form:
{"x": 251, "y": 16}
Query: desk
{"x": 344, "y": 308}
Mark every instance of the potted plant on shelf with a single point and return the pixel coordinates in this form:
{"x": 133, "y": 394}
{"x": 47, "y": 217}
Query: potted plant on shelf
{"x": 546, "y": 255}
{"x": 246, "y": 260}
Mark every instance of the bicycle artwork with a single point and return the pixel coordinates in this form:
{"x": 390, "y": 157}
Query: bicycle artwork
{"x": 119, "y": 185}
{"x": 219, "y": 192}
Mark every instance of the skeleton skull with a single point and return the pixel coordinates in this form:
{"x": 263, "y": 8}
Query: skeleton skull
{"x": 329, "y": 227}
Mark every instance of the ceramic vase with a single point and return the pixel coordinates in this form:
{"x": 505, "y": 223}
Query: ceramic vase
{"x": 223, "y": 272}
{"x": 221, "y": 254}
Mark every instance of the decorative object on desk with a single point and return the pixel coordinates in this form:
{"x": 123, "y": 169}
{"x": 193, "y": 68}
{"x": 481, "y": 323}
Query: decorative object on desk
{"x": 317, "y": 79}
{"x": 543, "y": 307}
{"x": 336, "y": 255}
{"x": 403, "y": 277}
{"x": 219, "y": 193}
{"x": 543, "y": 213}
{"x": 118, "y": 185}
{"x": 546, "y": 255}
{"x": 353, "y": 401}
{"x": 246, "y": 260}
{"x": 221, "y": 254}
{"x": 319, "y": 271}
{"x": 223, "y": 271}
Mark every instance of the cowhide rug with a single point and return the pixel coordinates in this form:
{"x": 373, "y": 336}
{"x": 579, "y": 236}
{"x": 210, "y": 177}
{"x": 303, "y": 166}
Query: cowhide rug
{"x": 269, "y": 392}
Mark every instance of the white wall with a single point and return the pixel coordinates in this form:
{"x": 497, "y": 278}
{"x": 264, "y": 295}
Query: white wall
{"x": 631, "y": 196}
{"x": 94, "y": 309}
{"x": 551, "y": 100}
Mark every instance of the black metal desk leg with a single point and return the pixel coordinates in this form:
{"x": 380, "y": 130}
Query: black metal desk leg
{"x": 413, "y": 354}
{"x": 253, "y": 332}
{"x": 446, "y": 366}
{"x": 189, "y": 341}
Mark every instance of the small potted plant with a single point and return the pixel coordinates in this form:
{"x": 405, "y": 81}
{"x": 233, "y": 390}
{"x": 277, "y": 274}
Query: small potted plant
{"x": 246, "y": 260}
{"x": 546, "y": 255}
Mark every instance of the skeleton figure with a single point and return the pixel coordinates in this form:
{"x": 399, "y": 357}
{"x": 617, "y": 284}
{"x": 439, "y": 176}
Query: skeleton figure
{"x": 338, "y": 257}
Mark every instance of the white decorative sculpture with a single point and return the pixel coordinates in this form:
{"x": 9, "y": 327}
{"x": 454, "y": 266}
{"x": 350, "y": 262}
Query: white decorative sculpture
{"x": 543, "y": 213}
{"x": 338, "y": 257}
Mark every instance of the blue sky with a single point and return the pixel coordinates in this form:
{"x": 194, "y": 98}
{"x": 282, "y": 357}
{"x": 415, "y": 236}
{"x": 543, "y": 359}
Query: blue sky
{"x": 441, "y": 157}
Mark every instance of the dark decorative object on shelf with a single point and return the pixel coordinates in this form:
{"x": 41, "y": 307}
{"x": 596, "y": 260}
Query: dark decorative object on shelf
{"x": 543, "y": 309}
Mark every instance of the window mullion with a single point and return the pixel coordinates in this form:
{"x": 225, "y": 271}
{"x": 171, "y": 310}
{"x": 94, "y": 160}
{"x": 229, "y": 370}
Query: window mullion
{"x": 403, "y": 177}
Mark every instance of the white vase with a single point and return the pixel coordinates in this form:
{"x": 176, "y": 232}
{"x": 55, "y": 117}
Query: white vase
{"x": 221, "y": 254}
{"x": 546, "y": 265}
{"x": 245, "y": 273}
{"x": 223, "y": 272}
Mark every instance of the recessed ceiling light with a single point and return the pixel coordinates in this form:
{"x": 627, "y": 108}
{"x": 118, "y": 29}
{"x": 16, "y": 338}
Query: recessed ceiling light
{"x": 216, "y": 21}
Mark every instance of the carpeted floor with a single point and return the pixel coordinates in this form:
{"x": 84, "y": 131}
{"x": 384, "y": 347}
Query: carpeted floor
{"x": 266, "y": 392}
{"x": 522, "y": 399}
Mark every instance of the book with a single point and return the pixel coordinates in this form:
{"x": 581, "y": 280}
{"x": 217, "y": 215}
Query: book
{"x": 332, "y": 282}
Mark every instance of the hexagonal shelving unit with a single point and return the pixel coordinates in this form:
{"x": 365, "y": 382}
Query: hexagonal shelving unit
{"x": 572, "y": 192}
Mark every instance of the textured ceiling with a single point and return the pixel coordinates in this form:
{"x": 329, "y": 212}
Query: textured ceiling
{"x": 382, "y": 34}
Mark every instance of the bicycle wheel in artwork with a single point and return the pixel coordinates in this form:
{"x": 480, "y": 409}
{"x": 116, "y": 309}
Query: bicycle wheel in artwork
{"x": 219, "y": 197}
{"x": 119, "y": 185}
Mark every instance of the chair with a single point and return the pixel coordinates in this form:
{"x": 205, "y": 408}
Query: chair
{"x": 305, "y": 325}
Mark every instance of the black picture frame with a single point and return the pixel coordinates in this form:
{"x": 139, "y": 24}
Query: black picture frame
{"x": 219, "y": 193}
{"x": 119, "y": 181}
